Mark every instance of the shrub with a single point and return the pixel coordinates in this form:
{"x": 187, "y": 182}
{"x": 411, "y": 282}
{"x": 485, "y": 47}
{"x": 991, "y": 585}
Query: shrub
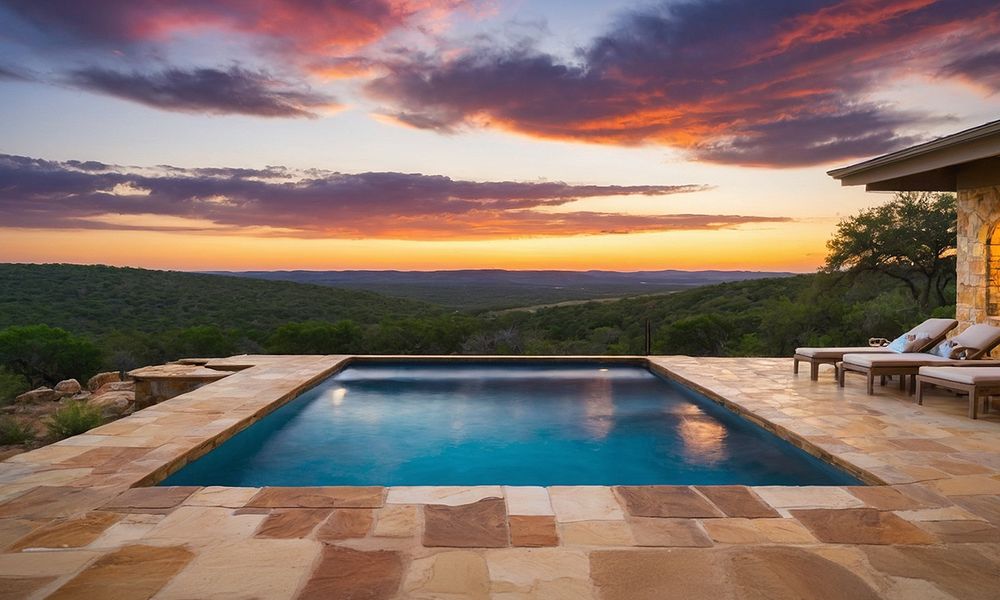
{"x": 316, "y": 337}
{"x": 73, "y": 419}
{"x": 14, "y": 432}
{"x": 11, "y": 384}
{"x": 44, "y": 354}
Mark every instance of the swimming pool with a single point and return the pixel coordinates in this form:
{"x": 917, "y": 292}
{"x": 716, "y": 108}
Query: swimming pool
{"x": 513, "y": 423}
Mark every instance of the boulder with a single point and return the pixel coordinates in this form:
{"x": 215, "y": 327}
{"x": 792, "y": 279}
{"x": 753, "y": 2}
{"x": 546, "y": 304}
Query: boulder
{"x": 113, "y": 404}
{"x": 95, "y": 382}
{"x": 42, "y": 394}
{"x": 68, "y": 387}
{"x": 115, "y": 386}
{"x": 81, "y": 396}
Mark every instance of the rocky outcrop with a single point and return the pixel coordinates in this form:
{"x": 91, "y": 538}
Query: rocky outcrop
{"x": 115, "y": 386}
{"x": 114, "y": 404}
{"x": 42, "y": 394}
{"x": 101, "y": 379}
{"x": 68, "y": 387}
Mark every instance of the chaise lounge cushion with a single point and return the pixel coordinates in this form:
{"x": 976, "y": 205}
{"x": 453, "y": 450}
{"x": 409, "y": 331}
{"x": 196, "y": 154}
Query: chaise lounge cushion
{"x": 980, "y": 337}
{"x": 839, "y": 352}
{"x": 968, "y": 375}
{"x": 913, "y": 359}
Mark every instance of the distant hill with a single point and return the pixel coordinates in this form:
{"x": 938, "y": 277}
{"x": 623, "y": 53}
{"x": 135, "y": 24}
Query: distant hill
{"x": 97, "y": 299}
{"x": 489, "y": 289}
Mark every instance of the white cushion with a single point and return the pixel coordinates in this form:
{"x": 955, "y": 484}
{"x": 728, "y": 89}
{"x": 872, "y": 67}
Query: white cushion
{"x": 969, "y": 375}
{"x": 839, "y": 352}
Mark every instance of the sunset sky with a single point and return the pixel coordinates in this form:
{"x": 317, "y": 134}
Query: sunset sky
{"x": 440, "y": 134}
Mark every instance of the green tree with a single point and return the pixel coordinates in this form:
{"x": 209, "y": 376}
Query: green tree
{"x": 316, "y": 337}
{"x": 43, "y": 354}
{"x": 701, "y": 335}
{"x": 911, "y": 238}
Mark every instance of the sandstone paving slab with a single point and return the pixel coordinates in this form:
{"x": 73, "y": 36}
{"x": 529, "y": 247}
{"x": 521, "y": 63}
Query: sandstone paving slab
{"x": 737, "y": 501}
{"x": 533, "y": 530}
{"x": 482, "y": 524}
{"x": 885, "y": 498}
{"x": 860, "y": 526}
{"x": 150, "y": 499}
{"x": 54, "y": 501}
{"x": 346, "y": 523}
{"x": 948, "y": 513}
{"x": 962, "y": 532}
{"x": 396, "y": 521}
{"x": 12, "y": 530}
{"x": 105, "y": 460}
{"x": 808, "y": 497}
{"x": 723, "y": 574}
{"x": 45, "y": 564}
{"x": 757, "y": 531}
{"x": 196, "y": 525}
{"x": 131, "y": 528}
{"x": 452, "y": 574}
{"x": 266, "y": 569}
{"x": 985, "y": 506}
{"x": 650, "y": 531}
{"x": 666, "y": 501}
{"x": 958, "y": 570}
{"x": 446, "y": 495}
{"x": 585, "y": 503}
{"x": 596, "y": 533}
{"x": 539, "y": 573}
{"x": 286, "y": 523}
{"x": 355, "y": 574}
{"x": 16, "y": 588}
{"x": 70, "y": 533}
{"x": 527, "y": 500}
{"x": 133, "y": 572}
{"x": 318, "y": 497}
{"x": 227, "y": 497}
{"x": 972, "y": 484}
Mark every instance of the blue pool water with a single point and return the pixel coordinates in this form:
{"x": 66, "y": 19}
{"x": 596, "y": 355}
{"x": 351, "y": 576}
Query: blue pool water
{"x": 460, "y": 423}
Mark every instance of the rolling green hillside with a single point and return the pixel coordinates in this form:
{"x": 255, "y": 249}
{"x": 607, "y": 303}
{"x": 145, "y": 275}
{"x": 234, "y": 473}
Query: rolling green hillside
{"x": 96, "y": 300}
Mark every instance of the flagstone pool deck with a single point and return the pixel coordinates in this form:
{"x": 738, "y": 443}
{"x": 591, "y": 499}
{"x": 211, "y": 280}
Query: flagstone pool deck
{"x": 77, "y": 522}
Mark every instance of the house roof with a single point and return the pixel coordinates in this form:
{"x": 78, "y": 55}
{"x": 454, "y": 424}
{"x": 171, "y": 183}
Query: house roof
{"x": 969, "y": 158}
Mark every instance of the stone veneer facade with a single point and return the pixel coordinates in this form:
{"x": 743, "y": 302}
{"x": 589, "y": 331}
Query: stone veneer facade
{"x": 978, "y": 256}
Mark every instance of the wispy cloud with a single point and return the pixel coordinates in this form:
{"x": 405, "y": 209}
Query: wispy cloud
{"x": 768, "y": 83}
{"x": 231, "y": 91}
{"x": 37, "y": 193}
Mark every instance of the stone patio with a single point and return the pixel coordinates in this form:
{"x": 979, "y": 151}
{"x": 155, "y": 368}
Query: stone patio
{"x": 76, "y": 521}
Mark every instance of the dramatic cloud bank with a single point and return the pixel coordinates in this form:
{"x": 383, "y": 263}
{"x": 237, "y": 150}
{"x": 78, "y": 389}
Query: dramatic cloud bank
{"x": 37, "y": 193}
{"x": 765, "y": 83}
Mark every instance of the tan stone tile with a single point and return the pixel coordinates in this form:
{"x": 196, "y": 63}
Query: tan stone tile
{"x": 284, "y": 523}
{"x": 737, "y": 501}
{"x": 649, "y": 531}
{"x": 533, "y": 530}
{"x": 807, "y": 497}
{"x": 948, "y": 513}
{"x": 456, "y": 574}
{"x": 527, "y": 500}
{"x": 757, "y": 531}
{"x": 71, "y": 533}
{"x": 860, "y": 526}
{"x": 396, "y": 521}
{"x": 318, "y": 497}
{"x": 150, "y": 499}
{"x": 666, "y": 501}
{"x": 539, "y": 573}
{"x": 12, "y": 530}
{"x": 482, "y": 524}
{"x": 884, "y": 498}
{"x": 962, "y": 531}
{"x": 347, "y": 573}
{"x": 203, "y": 525}
{"x": 958, "y": 570}
{"x": 130, "y": 529}
{"x": 16, "y": 588}
{"x": 346, "y": 523}
{"x": 596, "y": 533}
{"x": 132, "y": 572}
{"x": 226, "y": 497}
{"x": 730, "y": 574}
{"x": 446, "y": 495}
{"x": 266, "y": 569}
{"x": 968, "y": 485}
{"x": 44, "y": 564}
{"x": 585, "y": 503}
{"x": 985, "y": 506}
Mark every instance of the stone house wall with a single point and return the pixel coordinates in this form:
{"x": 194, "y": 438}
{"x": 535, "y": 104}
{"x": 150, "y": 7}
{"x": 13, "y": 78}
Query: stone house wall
{"x": 978, "y": 298}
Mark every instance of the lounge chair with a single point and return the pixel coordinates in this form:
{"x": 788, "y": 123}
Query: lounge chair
{"x": 935, "y": 329}
{"x": 977, "y": 382}
{"x": 973, "y": 343}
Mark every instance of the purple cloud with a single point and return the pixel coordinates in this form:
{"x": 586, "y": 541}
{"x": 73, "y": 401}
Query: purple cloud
{"x": 233, "y": 91}
{"x": 36, "y": 193}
